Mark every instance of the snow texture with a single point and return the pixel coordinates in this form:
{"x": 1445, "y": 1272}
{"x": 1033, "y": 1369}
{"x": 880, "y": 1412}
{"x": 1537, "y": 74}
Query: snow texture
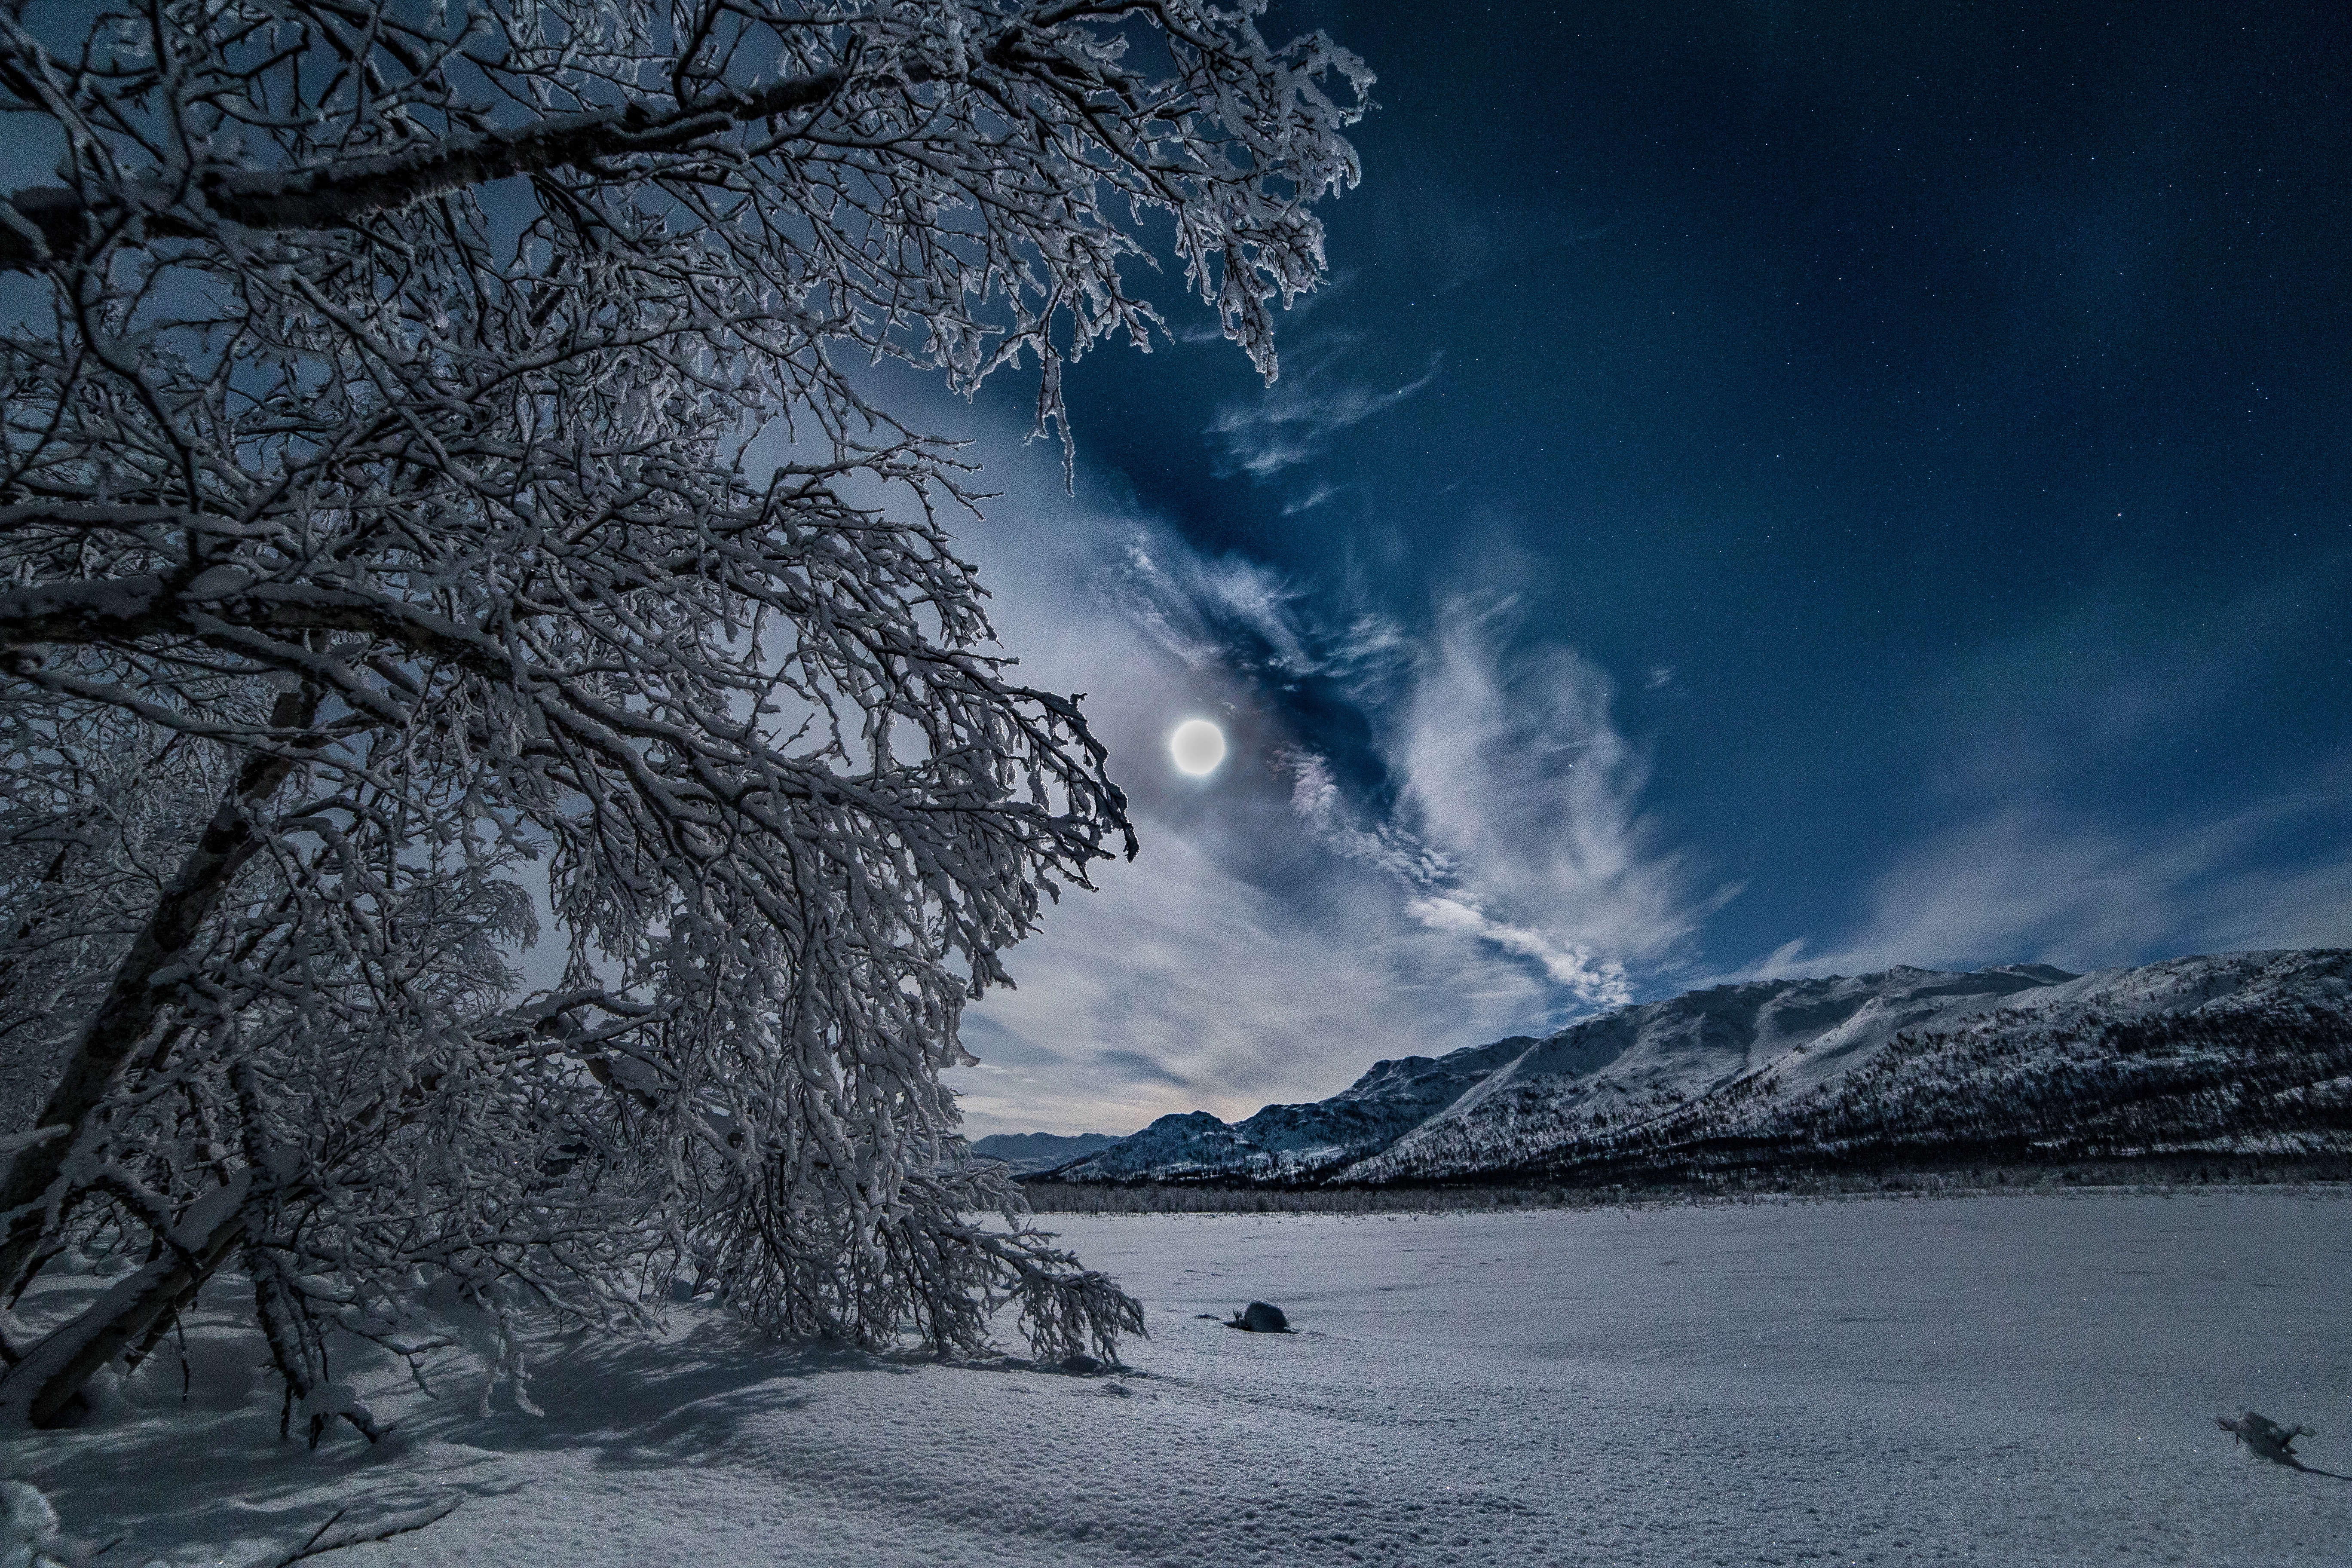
{"x": 2010, "y": 1381}
{"x": 29, "y": 1526}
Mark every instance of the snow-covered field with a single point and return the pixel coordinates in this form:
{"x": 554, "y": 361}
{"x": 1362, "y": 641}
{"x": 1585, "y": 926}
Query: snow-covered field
{"x": 2022, "y": 1379}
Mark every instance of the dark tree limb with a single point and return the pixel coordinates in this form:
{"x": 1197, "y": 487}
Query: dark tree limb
{"x": 54, "y": 221}
{"x": 136, "y": 1003}
{"x": 44, "y": 1388}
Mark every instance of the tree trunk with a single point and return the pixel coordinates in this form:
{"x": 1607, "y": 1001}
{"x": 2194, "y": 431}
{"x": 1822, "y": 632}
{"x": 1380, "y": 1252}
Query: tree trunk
{"x": 135, "y": 1006}
{"x": 341, "y": 194}
{"x": 45, "y": 1387}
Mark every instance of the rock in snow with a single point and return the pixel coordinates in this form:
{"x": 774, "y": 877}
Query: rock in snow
{"x": 1261, "y": 1318}
{"x": 2264, "y": 1436}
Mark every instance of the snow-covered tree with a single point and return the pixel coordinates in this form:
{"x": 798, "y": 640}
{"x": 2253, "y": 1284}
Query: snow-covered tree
{"x": 376, "y": 532}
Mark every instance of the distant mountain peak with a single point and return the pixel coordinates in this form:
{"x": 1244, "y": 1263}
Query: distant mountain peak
{"x": 1908, "y": 1061}
{"x": 1024, "y": 1152}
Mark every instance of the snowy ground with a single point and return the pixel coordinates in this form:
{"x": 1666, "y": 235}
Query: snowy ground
{"x": 2008, "y": 1381}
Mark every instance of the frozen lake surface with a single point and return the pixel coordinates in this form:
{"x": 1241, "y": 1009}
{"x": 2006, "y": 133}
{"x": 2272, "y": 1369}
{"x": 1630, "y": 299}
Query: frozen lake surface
{"x": 1998, "y": 1380}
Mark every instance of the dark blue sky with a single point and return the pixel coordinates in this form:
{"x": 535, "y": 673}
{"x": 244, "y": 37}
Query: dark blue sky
{"x": 1910, "y": 443}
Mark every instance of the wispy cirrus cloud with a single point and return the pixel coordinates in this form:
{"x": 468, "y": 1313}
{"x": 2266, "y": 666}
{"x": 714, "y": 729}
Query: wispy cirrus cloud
{"x": 1237, "y": 960}
{"x": 2043, "y": 845}
{"x": 1240, "y": 616}
{"x": 2025, "y": 883}
{"x": 1518, "y": 817}
{"x": 1300, "y": 417}
{"x": 1311, "y": 499}
{"x": 1369, "y": 875}
{"x": 1192, "y": 980}
{"x": 1498, "y": 801}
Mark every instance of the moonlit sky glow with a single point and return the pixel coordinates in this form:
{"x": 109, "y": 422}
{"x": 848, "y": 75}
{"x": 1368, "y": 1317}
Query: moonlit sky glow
{"x": 1197, "y": 747}
{"x": 1772, "y": 489}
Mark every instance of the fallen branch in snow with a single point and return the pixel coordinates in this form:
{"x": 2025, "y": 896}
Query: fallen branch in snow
{"x": 327, "y": 1537}
{"x": 29, "y": 1537}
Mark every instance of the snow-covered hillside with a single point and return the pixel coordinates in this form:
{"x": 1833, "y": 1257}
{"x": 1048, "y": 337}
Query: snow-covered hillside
{"x": 1022, "y": 1152}
{"x": 1288, "y": 1143}
{"x": 2242, "y": 1053}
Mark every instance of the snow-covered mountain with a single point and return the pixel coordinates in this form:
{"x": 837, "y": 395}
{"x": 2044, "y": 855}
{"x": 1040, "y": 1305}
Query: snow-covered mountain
{"x": 1294, "y": 1142}
{"x": 1024, "y": 1152}
{"x": 2237, "y": 1054}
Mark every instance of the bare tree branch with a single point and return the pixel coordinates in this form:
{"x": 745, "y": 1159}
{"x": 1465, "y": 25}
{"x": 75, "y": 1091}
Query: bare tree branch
{"x": 334, "y": 1535}
{"x": 299, "y": 405}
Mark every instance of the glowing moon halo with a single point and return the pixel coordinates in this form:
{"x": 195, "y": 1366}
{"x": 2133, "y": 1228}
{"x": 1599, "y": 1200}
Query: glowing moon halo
{"x": 1197, "y": 747}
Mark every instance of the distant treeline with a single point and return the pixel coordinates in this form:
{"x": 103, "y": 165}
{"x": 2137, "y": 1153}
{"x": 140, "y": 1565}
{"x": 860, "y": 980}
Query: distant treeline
{"x": 2144, "y": 1175}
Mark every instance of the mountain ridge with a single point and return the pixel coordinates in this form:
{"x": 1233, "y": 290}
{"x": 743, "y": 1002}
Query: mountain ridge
{"x": 2224, "y": 1053}
{"x": 1024, "y": 1153}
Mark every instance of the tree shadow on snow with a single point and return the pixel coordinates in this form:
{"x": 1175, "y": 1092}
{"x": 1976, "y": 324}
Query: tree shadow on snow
{"x": 174, "y": 1477}
{"x": 2292, "y": 1463}
{"x": 640, "y": 1403}
{"x": 169, "y": 1480}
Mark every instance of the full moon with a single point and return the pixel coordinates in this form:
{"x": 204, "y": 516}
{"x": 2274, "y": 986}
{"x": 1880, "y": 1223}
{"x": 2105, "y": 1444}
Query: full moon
{"x": 1197, "y": 747}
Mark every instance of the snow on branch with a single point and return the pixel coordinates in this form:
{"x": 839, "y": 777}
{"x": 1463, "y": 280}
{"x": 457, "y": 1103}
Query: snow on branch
{"x": 382, "y": 577}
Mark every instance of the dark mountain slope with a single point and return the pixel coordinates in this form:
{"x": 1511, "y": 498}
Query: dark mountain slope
{"x": 2244, "y": 1054}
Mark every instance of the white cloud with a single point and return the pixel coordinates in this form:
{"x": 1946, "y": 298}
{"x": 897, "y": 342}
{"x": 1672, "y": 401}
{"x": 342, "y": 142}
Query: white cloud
{"x": 1183, "y": 985}
{"x": 2042, "y": 859}
{"x": 1298, "y": 416}
{"x": 1237, "y": 962}
{"x": 1518, "y": 820}
{"x": 1314, "y": 498}
{"x": 1192, "y": 605}
{"x": 1279, "y": 932}
{"x": 2030, "y": 884}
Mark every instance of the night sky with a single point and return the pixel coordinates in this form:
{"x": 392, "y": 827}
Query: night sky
{"x": 1771, "y": 490}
